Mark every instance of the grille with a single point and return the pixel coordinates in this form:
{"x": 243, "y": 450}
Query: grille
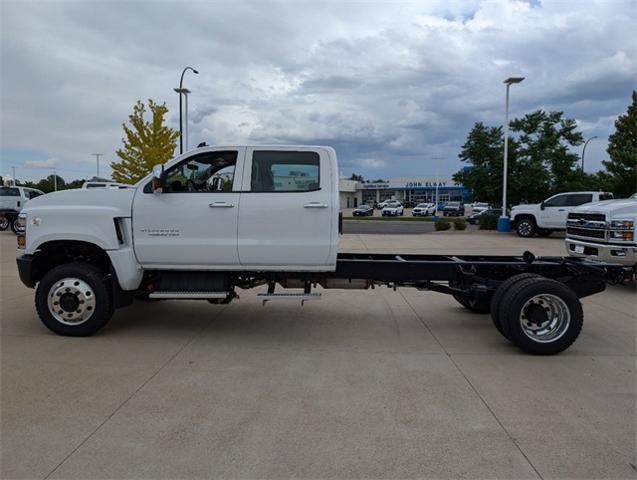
{"x": 599, "y": 217}
{"x": 586, "y": 232}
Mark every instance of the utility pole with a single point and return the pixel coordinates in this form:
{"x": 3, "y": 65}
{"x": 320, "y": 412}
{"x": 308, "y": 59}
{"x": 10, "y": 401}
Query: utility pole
{"x": 55, "y": 181}
{"x": 97, "y": 157}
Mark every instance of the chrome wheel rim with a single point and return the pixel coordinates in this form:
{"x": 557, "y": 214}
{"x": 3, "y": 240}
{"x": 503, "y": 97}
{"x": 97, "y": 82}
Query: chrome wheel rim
{"x": 545, "y": 318}
{"x": 524, "y": 228}
{"x": 4, "y": 223}
{"x": 71, "y": 301}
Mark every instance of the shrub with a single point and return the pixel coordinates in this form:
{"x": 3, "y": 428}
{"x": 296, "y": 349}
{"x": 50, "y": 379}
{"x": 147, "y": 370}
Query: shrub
{"x": 459, "y": 224}
{"x": 442, "y": 224}
{"x": 488, "y": 222}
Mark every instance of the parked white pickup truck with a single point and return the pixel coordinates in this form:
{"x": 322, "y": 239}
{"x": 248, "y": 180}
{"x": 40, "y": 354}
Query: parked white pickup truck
{"x": 604, "y": 231}
{"x": 219, "y": 219}
{"x": 12, "y": 201}
{"x": 550, "y": 215}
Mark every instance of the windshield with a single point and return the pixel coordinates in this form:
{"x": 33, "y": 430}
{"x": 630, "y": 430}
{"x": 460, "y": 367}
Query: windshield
{"x": 634, "y": 195}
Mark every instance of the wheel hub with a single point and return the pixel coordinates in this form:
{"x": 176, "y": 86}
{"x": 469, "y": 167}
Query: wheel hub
{"x": 545, "y": 318}
{"x": 71, "y": 301}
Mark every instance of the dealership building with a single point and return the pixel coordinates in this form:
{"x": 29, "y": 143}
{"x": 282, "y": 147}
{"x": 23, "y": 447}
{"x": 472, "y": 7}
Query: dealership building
{"x": 404, "y": 189}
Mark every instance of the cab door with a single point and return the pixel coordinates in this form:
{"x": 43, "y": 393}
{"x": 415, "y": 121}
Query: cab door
{"x": 557, "y": 208}
{"x": 192, "y": 224}
{"x": 287, "y": 209}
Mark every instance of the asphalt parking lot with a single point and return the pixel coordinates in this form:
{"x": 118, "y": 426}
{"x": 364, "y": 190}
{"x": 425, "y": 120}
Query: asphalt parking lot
{"x": 361, "y": 384}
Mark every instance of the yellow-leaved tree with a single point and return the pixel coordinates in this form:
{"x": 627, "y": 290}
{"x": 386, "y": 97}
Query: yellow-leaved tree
{"x": 146, "y": 143}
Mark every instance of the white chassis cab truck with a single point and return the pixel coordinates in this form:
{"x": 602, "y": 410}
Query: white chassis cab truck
{"x": 604, "y": 231}
{"x": 218, "y": 219}
{"x": 550, "y": 215}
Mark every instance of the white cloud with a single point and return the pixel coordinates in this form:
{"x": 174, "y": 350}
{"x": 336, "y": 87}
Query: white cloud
{"x": 398, "y": 85}
{"x": 48, "y": 163}
{"x": 372, "y": 163}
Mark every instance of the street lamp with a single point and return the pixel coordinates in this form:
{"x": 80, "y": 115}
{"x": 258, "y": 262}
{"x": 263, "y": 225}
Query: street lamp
{"x": 584, "y": 150}
{"x": 504, "y": 225}
{"x": 183, "y": 91}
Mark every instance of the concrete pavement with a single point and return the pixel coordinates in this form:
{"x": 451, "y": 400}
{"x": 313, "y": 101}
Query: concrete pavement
{"x": 374, "y": 384}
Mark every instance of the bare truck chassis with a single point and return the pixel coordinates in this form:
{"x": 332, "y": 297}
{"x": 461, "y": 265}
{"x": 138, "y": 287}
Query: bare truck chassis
{"x": 533, "y": 301}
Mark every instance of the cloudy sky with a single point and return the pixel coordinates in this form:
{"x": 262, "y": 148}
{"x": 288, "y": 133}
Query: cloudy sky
{"x": 393, "y": 86}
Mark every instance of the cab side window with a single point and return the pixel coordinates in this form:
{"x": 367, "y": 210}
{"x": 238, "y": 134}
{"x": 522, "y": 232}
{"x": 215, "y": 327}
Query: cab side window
{"x": 277, "y": 171}
{"x": 576, "y": 199}
{"x": 559, "y": 201}
{"x": 210, "y": 172}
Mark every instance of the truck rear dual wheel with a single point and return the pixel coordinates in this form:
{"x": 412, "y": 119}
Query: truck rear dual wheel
{"x": 540, "y": 316}
{"x": 502, "y": 289}
{"x": 74, "y": 299}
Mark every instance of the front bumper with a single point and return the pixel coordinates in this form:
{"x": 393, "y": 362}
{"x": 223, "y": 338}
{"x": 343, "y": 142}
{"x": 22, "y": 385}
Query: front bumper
{"x": 603, "y": 252}
{"x": 26, "y": 270}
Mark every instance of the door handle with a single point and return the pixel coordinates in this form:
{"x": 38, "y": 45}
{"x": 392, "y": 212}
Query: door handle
{"x": 220, "y": 205}
{"x": 315, "y": 205}
{"x": 561, "y": 209}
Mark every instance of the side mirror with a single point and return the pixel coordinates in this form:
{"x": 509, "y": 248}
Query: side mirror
{"x": 542, "y": 206}
{"x": 158, "y": 178}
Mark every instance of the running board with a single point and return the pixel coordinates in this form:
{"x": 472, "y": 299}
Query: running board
{"x": 188, "y": 295}
{"x": 288, "y": 296}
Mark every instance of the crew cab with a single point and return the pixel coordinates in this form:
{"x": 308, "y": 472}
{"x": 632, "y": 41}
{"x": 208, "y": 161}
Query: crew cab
{"x": 12, "y": 201}
{"x": 550, "y": 215}
{"x": 604, "y": 231}
{"x": 220, "y": 219}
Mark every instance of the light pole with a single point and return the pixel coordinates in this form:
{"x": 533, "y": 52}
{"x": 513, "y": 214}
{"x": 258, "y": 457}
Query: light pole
{"x": 584, "y": 150}
{"x": 504, "y": 225}
{"x": 183, "y": 91}
{"x": 97, "y": 158}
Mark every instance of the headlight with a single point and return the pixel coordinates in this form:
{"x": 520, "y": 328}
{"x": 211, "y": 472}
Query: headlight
{"x": 622, "y": 224}
{"x": 21, "y": 223}
{"x": 621, "y": 235}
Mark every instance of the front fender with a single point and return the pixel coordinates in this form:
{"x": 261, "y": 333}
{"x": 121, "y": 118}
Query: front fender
{"x": 86, "y": 224}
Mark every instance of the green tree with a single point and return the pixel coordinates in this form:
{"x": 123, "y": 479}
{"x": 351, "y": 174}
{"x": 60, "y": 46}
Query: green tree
{"x": 146, "y": 143}
{"x": 545, "y": 140}
{"x": 358, "y": 178}
{"x": 541, "y": 161}
{"x": 619, "y": 174}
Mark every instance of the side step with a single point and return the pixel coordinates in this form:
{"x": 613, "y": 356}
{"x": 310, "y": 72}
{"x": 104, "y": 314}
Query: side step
{"x": 288, "y": 296}
{"x": 184, "y": 295}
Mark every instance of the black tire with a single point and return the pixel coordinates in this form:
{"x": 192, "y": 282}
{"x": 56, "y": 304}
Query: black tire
{"x": 526, "y": 227}
{"x": 100, "y": 291}
{"x": 13, "y": 225}
{"x": 544, "y": 232}
{"x": 525, "y": 298}
{"x": 478, "y": 304}
{"x": 4, "y": 224}
{"x": 496, "y": 299}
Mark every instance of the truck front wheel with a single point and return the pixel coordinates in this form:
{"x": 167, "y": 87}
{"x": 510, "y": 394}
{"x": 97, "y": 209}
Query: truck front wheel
{"x": 541, "y": 316}
{"x": 525, "y": 227}
{"x": 4, "y": 223}
{"x": 74, "y": 299}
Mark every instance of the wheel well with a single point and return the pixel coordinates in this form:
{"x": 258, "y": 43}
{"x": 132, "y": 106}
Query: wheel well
{"x": 523, "y": 216}
{"x": 51, "y": 254}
